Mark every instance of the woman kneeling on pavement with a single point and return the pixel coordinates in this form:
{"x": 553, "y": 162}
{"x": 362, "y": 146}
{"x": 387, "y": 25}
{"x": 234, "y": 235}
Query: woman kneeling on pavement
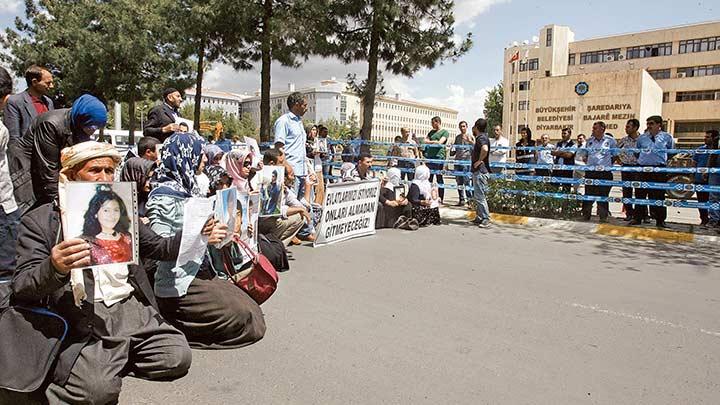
{"x": 212, "y": 312}
{"x": 394, "y": 212}
{"x": 420, "y": 196}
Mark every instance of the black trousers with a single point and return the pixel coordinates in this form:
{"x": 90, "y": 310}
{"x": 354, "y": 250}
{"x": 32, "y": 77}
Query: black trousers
{"x": 406, "y": 164}
{"x": 702, "y": 197}
{"x": 597, "y": 191}
{"x": 658, "y": 213}
{"x": 630, "y": 192}
{"x": 437, "y": 178}
{"x": 567, "y": 174}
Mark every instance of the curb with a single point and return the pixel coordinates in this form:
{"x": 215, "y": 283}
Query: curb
{"x": 629, "y": 232}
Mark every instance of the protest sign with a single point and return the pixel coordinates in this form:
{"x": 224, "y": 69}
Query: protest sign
{"x": 349, "y": 211}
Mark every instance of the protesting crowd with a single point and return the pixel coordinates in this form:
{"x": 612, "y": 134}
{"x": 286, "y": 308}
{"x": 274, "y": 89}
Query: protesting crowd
{"x": 89, "y": 296}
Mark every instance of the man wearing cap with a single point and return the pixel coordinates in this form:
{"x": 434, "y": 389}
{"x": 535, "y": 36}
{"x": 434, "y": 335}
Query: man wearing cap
{"x": 114, "y": 326}
{"x": 162, "y": 118}
{"x": 39, "y": 149}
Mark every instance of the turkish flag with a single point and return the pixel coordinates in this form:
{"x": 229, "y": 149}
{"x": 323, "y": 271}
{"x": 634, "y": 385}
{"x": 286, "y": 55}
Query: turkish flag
{"x": 515, "y": 57}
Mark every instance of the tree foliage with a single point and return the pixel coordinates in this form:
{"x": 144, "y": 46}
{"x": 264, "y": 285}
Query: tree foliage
{"x": 493, "y": 107}
{"x": 404, "y": 35}
{"x": 285, "y": 31}
{"x": 116, "y": 50}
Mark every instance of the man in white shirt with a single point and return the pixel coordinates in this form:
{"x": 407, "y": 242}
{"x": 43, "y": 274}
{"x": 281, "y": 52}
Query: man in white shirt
{"x": 544, "y": 156}
{"x": 498, "y": 155}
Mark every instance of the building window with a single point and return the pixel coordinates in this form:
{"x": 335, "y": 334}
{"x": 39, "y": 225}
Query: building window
{"x": 649, "y": 51}
{"x": 512, "y": 87}
{"x": 659, "y": 74}
{"x": 533, "y": 64}
{"x": 571, "y": 59}
{"x": 530, "y": 64}
{"x": 548, "y": 37}
{"x": 524, "y": 105}
{"x": 705, "y": 95}
{"x": 699, "y": 45}
{"x": 606, "y": 55}
{"x": 699, "y": 71}
{"x": 523, "y": 86}
{"x": 666, "y": 97}
{"x": 697, "y": 129}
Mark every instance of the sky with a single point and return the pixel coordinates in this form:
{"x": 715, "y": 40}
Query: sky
{"x": 494, "y": 24}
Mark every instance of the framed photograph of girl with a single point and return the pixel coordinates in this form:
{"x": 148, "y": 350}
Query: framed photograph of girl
{"x": 105, "y": 215}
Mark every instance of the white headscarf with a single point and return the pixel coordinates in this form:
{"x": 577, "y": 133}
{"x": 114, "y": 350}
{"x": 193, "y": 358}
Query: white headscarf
{"x": 346, "y": 171}
{"x": 422, "y": 180}
{"x": 393, "y": 179}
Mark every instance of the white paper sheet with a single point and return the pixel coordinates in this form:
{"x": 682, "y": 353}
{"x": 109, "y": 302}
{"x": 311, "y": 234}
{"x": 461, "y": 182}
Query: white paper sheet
{"x": 193, "y": 243}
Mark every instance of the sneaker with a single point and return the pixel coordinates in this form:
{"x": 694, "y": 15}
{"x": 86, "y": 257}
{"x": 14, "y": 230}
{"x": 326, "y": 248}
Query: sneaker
{"x": 413, "y": 224}
{"x": 484, "y": 224}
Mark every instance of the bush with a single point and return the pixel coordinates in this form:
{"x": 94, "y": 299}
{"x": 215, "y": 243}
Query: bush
{"x": 527, "y": 205}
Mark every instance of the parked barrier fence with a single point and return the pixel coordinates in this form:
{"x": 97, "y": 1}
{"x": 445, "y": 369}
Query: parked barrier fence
{"x": 501, "y": 171}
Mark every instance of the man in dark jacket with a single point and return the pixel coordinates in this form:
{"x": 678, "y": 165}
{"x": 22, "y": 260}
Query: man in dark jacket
{"x": 21, "y": 109}
{"x": 117, "y": 328}
{"x": 38, "y": 151}
{"x": 162, "y": 118}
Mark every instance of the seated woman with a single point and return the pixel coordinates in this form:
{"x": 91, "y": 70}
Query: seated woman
{"x": 107, "y": 228}
{"x": 211, "y": 312}
{"x": 393, "y": 212}
{"x": 420, "y": 196}
{"x": 238, "y": 164}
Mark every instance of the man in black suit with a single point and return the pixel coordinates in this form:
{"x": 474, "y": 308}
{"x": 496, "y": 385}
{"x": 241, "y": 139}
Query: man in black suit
{"x": 162, "y": 118}
{"x": 22, "y": 108}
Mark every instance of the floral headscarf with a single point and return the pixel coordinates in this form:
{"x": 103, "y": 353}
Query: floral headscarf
{"x": 181, "y": 156}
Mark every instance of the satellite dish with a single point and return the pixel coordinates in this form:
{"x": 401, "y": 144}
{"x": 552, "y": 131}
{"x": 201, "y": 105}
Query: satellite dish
{"x": 535, "y": 39}
{"x": 515, "y": 43}
{"x": 526, "y": 42}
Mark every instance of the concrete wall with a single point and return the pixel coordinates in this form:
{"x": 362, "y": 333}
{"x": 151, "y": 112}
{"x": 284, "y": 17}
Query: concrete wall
{"x": 614, "y": 97}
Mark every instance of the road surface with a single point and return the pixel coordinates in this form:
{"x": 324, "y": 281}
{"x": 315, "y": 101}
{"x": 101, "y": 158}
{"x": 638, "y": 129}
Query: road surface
{"x": 458, "y": 315}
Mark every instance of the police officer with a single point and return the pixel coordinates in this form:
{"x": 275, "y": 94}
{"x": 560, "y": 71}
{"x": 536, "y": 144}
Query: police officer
{"x": 654, "y": 141}
{"x": 601, "y": 149}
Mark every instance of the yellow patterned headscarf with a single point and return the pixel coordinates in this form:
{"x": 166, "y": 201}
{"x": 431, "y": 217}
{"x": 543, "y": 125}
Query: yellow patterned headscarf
{"x": 84, "y": 151}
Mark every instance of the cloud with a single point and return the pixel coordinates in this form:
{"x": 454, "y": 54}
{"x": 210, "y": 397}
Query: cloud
{"x": 10, "y": 6}
{"x": 467, "y": 10}
{"x": 469, "y": 106}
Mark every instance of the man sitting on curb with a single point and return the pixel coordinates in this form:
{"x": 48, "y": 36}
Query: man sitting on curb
{"x": 116, "y": 329}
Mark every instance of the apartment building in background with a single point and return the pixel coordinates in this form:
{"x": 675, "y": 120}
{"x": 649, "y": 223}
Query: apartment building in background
{"x": 559, "y": 82}
{"x": 332, "y": 100}
{"x": 217, "y": 100}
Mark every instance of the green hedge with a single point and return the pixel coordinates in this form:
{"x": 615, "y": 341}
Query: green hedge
{"x": 525, "y": 205}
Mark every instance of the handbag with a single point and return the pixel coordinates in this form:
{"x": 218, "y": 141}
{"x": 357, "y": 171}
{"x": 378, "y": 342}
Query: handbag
{"x": 259, "y": 281}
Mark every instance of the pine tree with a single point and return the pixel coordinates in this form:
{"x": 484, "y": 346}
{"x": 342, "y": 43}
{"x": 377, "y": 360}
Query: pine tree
{"x": 404, "y": 35}
{"x": 493, "y": 110}
{"x": 116, "y": 50}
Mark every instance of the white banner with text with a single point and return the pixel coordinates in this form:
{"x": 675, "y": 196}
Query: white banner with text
{"x": 349, "y": 211}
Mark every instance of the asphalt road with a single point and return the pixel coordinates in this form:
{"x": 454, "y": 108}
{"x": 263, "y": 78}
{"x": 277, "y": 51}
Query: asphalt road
{"x": 458, "y": 315}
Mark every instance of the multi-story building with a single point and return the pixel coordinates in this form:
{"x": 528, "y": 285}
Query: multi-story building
{"x": 558, "y": 82}
{"x": 332, "y": 100}
{"x": 217, "y": 100}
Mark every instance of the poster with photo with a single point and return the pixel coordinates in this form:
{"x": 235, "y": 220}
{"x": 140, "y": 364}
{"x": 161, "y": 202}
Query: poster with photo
{"x": 105, "y": 215}
{"x": 399, "y": 193}
{"x": 226, "y": 210}
{"x": 321, "y": 145}
{"x": 272, "y": 190}
{"x": 250, "y": 207}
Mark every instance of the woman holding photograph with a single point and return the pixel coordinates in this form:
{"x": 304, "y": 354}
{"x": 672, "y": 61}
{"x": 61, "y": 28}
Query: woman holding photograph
{"x": 107, "y": 228}
{"x": 238, "y": 164}
{"x": 394, "y": 212}
{"x": 211, "y": 312}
